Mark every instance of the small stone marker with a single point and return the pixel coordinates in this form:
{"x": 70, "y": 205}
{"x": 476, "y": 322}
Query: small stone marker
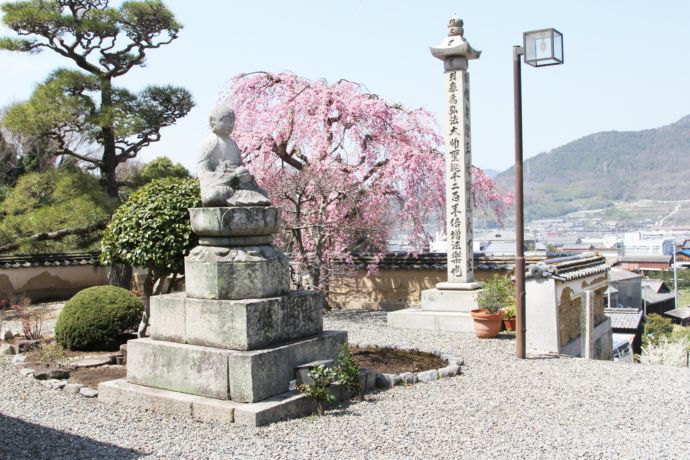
{"x": 88, "y": 392}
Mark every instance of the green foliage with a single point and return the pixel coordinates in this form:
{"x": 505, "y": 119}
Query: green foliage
{"x": 498, "y": 292}
{"x": 160, "y": 168}
{"x": 656, "y": 327}
{"x": 97, "y": 318}
{"x": 67, "y": 102}
{"x": 81, "y": 108}
{"x": 152, "y": 228}
{"x": 509, "y": 311}
{"x": 50, "y": 201}
{"x": 322, "y": 376}
{"x": 348, "y": 371}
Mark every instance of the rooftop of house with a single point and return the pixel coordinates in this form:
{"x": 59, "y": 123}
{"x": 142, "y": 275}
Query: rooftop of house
{"x": 619, "y": 274}
{"x": 652, "y": 298}
{"x": 624, "y": 318}
{"x": 656, "y": 286}
{"x": 681, "y": 313}
{"x": 647, "y": 258}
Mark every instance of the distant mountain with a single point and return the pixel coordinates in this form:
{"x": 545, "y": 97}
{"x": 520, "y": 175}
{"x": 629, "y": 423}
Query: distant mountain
{"x": 491, "y": 172}
{"x": 596, "y": 170}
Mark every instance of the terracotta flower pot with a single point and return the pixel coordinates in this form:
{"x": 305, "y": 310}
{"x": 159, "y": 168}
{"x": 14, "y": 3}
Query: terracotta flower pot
{"x": 509, "y": 324}
{"x": 486, "y": 325}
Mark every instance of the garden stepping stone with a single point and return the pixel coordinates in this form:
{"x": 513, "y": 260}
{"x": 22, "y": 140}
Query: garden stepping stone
{"x": 88, "y": 392}
{"x": 90, "y": 361}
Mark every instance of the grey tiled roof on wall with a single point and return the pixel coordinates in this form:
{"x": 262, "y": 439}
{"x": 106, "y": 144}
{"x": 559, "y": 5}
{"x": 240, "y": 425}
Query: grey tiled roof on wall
{"x": 624, "y": 318}
{"x": 50, "y": 260}
{"x": 569, "y": 268}
{"x": 434, "y": 261}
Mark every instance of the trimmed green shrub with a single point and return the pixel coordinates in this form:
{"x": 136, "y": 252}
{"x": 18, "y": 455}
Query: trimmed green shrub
{"x": 97, "y": 318}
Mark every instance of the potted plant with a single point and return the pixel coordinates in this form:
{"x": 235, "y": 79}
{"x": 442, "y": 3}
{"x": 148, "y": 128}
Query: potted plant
{"x": 495, "y": 295}
{"x": 509, "y": 316}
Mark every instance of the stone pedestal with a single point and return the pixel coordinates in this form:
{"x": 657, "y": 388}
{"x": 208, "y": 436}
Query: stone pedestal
{"x": 227, "y": 348}
{"x": 440, "y": 310}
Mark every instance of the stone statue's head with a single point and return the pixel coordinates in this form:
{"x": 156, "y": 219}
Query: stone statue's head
{"x": 222, "y": 120}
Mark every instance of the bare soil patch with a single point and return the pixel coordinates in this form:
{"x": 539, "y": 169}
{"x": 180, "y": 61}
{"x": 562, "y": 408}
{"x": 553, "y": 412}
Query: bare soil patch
{"x": 394, "y": 361}
{"x": 92, "y": 376}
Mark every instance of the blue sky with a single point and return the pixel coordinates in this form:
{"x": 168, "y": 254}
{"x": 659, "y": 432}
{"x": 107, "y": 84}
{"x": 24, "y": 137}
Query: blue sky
{"x": 626, "y": 65}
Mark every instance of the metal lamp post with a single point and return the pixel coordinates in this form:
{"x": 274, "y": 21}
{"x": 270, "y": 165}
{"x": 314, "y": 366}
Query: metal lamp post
{"x": 540, "y": 48}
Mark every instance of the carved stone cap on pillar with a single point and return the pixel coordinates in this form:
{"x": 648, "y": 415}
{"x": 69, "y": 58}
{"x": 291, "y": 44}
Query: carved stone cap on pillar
{"x": 235, "y": 225}
{"x": 454, "y": 50}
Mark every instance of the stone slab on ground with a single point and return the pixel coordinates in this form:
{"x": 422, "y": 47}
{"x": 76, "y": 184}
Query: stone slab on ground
{"x": 281, "y": 407}
{"x": 243, "y": 376}
{"x": 82, "y": 362}
{"x": 416, "y": 318}
{"x": 236, "y": 324}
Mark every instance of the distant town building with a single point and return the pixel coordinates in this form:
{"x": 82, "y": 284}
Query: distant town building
{"x": 647, "y": 244}
{"x": 646, "y": 263}
{"x": 628, "y": 286}
{"x": 501, "y": 242}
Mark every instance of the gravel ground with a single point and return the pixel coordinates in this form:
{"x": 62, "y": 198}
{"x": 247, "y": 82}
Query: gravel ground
{"x": 543, "y": 407}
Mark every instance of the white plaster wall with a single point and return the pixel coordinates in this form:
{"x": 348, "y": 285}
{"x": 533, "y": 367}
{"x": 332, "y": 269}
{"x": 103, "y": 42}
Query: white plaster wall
{"x": 41, "y": 283}
{"x": 541, "y": 316}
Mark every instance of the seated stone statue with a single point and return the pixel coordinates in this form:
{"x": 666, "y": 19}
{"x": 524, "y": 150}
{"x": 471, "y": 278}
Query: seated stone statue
{"x": 224, "y": 179}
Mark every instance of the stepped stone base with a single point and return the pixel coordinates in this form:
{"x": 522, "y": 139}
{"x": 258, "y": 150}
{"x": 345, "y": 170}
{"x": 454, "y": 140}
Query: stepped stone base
{"x": 282, "y": 407}
{"x": 450, "y": 300}
{"x": 236, "y": 324}
{"x": 243, "y": 376}
{"x": 239, "y": 272}
{"x": 416, "y": 318}
{"x": 441, "y": 310}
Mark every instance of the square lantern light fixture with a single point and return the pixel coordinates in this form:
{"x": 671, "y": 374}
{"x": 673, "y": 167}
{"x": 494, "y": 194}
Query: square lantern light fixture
{"x": 543, "y": 47}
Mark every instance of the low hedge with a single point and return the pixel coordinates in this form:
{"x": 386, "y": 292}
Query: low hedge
{"x": 98, "y": 318}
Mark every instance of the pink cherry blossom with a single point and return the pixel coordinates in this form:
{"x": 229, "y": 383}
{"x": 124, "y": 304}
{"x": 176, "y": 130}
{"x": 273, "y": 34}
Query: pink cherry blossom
{"x": 346, "y": 166}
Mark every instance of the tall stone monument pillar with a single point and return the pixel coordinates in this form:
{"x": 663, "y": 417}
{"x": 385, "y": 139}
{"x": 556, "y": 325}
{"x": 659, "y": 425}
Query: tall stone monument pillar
{"x": 455, "y": 52}
{"x": 447, "y": 306}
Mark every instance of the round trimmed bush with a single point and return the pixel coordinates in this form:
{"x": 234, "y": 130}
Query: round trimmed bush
{"x": 97, "y": 318}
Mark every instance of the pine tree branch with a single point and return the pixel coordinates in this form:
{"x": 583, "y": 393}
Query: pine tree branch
{"x": 56, "y": 235}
